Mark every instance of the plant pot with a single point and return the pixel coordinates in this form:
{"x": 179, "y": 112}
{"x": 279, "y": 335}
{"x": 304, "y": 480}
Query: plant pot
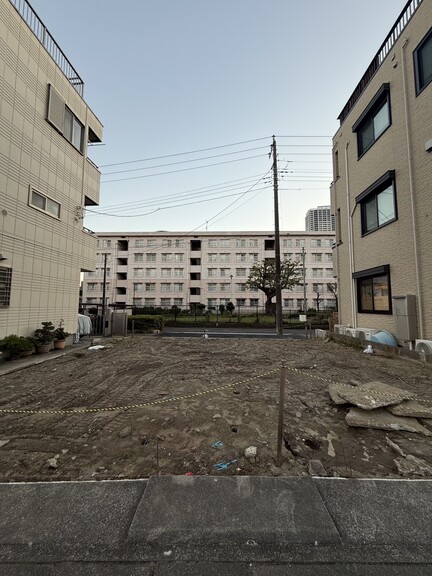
{"x": 59, "y": 344}
{"x": 26, "y": 353}
{"x": 43, "y": 348}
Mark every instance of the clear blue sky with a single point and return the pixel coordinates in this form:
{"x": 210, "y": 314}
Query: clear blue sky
{"x": 167, "y": 77}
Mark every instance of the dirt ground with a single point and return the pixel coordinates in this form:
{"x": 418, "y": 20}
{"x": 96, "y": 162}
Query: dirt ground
{"x": 195, "y": 393}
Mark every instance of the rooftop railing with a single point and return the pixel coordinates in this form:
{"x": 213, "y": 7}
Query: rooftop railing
{"x": 43, "y": 35}
{"x": 391, "y": 39}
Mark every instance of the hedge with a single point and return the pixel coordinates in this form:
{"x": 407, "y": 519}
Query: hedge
{"x": 145, "y": 322}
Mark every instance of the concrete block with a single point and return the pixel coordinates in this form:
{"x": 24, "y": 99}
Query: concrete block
{"x": 373, "y": 395}
{"x": 411, "y": 408}
{"x": 383, "y": 420}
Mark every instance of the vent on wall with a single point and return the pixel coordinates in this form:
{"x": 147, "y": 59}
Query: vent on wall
{"x": 424, "y": 346}
{"x": 339, "y": 329}
{"x": 351, "y": 332}
{"x": 365, "y": 333}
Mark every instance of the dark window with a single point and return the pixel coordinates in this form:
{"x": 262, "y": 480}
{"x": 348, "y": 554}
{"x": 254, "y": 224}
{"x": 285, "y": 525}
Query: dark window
{"x": 423, "y": 63}
{"x": 378, "y": 203}
{"x": 38, "y": 200}
{"x": 373, "y": 290}
{"x": 374, "y": 121}
{"x": 64, "y": 120}
{"x": 5, "y": 286}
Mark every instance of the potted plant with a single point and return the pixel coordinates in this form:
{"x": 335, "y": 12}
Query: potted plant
{"x": 27, "y": 346}
{"x": 60, "y": 336}
{"x": 12, "y": 347}
{"x": 43, "y": 337}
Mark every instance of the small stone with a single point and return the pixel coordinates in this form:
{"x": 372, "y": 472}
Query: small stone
{"x": 127, "y": 431}
{"x": 316, "y": 468}
{"x": 65, "y": 451}
{"x": 74, "y": 458}
{"x": 3, "y": 443}
{"x": 52, "y": 463}
{"x": 251, "y": 452}
{"x": 298, "y": 415}
{"x": 275, "y": 470}
{"x": 216, "y": 416}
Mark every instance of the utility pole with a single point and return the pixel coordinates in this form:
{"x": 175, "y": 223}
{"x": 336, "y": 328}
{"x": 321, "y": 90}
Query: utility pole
{"x": 279, "y": 325}
{"x": 304, "y": 287}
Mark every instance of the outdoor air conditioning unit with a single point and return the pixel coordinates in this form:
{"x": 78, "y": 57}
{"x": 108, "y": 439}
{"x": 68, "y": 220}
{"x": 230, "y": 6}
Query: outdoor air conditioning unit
{"x": 339, "y": 329}
{"x": 366, "y": 333}
{"x": 424, "y": 346}
{"x": 351, "y": 332}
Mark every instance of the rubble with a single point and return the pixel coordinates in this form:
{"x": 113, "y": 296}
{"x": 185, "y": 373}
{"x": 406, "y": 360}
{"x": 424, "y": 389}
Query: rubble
{"x": 411, "y": 408}
{"x": 373, "y": 395}
{"x": 384, "y": 420}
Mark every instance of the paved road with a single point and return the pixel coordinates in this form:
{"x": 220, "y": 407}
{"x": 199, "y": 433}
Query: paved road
{"x": 232, "y": 332}
{"x": 217, "y": 525}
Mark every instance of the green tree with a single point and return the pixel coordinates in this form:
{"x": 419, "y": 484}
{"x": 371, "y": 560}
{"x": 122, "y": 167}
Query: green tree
{"x": 230, "y": 307}
{"x": 263, "y": 277}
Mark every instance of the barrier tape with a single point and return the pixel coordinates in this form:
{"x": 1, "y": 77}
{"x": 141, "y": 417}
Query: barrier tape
{"x": 188, "y": 396}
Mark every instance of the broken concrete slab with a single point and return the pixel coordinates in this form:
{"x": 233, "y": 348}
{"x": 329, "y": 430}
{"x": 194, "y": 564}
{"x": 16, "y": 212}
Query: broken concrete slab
{"x": 411, "y": 466}
{"x": 373, "y": 395}
{"x": 334, "y": 390}
{"x": 383, "y": 420}
{"x": 411, "y": 408}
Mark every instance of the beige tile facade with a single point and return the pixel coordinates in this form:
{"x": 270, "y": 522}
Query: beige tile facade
{"x": 46, "y": 179}
{"x": 400, "y": 243}
{"x": 211, "y": 268}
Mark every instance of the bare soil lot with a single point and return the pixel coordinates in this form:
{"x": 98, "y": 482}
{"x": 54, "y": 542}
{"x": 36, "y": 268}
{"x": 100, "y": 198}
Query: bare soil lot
{"x": 194, "y": 393}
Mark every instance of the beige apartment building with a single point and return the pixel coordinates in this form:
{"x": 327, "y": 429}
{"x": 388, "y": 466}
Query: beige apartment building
{"x": 211, "y": 268}
{"x": 382, "y": 189}
{"x": 46, "y": 178}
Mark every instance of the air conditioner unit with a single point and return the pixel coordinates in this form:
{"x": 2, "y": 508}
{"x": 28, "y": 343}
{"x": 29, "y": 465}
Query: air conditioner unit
{"x": 424, "y": 346}
{"x": 351, "y": 332}
{"x": 366, "y": 333}
{"x": 339, "y": 329}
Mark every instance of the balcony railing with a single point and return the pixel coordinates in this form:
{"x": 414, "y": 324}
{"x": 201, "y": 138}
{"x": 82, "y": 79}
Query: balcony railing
{"x": 391, "y": 39}
{"x": 43, "y": 35}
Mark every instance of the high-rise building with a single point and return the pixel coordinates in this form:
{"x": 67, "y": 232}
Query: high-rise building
{"x": 46, "y": 177}
{"x": 319, "y": 219}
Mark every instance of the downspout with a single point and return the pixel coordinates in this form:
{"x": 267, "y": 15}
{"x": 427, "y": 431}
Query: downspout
{"x": 411, "y": 188}
{"x": 350, "y": 241}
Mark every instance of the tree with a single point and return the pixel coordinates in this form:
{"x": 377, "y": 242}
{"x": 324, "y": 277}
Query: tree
{"x": 333, "y": 288}
{"x": 221, "y": 309}
{"x": 263, "y": 277}
{"x": 230, "y": 307}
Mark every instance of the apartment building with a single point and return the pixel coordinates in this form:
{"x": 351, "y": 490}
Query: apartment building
{"x": 211, "y": 268}
{"x": 382, "y": 189}
{"x": 320, "y": 219}
{"x": 46, "y": 178}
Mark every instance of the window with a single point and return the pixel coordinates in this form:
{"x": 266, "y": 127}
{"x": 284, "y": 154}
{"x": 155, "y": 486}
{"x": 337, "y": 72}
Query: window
{"x": 328, "y": 257}
{"x": 423, "y": 63}
{"x": 166, "y": 242}
{"x": 138, "y": 287}
{"x": 212, "y": 243}
{"x": 167, "y": 257}
{"x": 138, "y": 273}
{"x": 329, "y": 272}
{"x": 150, "y": 272}
{"x": 287, "y": 255}
{"x": 73, "y": 130}
{"x": 253, "y": 257}
{"x": 300, "y": 302}
{"x": 178, "y": 257}
{"x": 253, "y": 243}
{"x": 328, "y": 242}
{"x": 287, "y": 242}
{"x": 316, "y": 243}
{"x": 139, "y": 243}
{"x": 289, "y": 302}
{"x": 253, "y": 301}
{"x": 299, "y": 243}
{"x": 317, "y": 288}
{"x": 211, "y": 257}
{"x": 335, "y": 164}
{"x": 225, "y": 287}
{"x": 211, "y": 272}
{"x": 92, "y": 286}
{"x": 211, "y": 287}
{"x": 150, "y": 257}
{"x": 224, "y": 301}
{"x": 151, "y": 243}
{"x": 150, "y": 287}
{"x": 178, "y": 272}
{"x": 41, "y": 202}
{"x": 165, "y": 287}
{"x": 136, "y": 301}
{"x": 225, "y": 243}
{"x": 149, "y": 301}
{"x": 316, "y": 257}
{"x": 178, "y": 287}
{"x": 317, "y": 272}
{"x": 178, "y": 301}
{"x": 240, "y": 257}
{"x": 241, "y": 272}
{"x": 224, "y": 272}
{"x": 378, "y": 203}
{"x": 241, "y": 302}
{"x": 240, "y": 243}
{"x": 139, "y": 257}
{"x": 105, "y": 244}
{"x": 166, "y": 272}
{"x": 211, "y": 302}
{"x": 373, "y": 290}
{"x": 225, "y": 257}
{"x": 179, "y": 243}
{"x": 240, "y": 287}
{"x": 374, "y": 121}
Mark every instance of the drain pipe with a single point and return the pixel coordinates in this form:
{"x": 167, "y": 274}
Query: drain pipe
{"x": 350, "y": 241}
{"x": 411, "y": 188}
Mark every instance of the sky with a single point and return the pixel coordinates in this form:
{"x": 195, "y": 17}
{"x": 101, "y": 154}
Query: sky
{"x": 190, "y": 93}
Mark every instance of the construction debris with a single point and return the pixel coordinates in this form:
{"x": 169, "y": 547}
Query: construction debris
{"x": 383, "y": 420}
{"x": 373, "y": 395}
{"x": 411, "y": 408}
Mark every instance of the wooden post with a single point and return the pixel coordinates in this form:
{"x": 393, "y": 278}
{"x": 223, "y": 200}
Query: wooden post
{"x": 281, "y": 414}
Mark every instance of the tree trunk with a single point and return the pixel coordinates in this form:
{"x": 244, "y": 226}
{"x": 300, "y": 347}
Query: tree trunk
{"x": 270, "y": 307}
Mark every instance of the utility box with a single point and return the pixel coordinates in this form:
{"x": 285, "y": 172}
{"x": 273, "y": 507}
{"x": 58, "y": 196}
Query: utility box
{"x": 404, "y": 309}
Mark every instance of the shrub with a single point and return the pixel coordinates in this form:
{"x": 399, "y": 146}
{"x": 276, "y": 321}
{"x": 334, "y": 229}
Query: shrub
{"x": 145, "y": 322}
{"x": 46, "y": 334}
{"x": 14, "y": 346}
